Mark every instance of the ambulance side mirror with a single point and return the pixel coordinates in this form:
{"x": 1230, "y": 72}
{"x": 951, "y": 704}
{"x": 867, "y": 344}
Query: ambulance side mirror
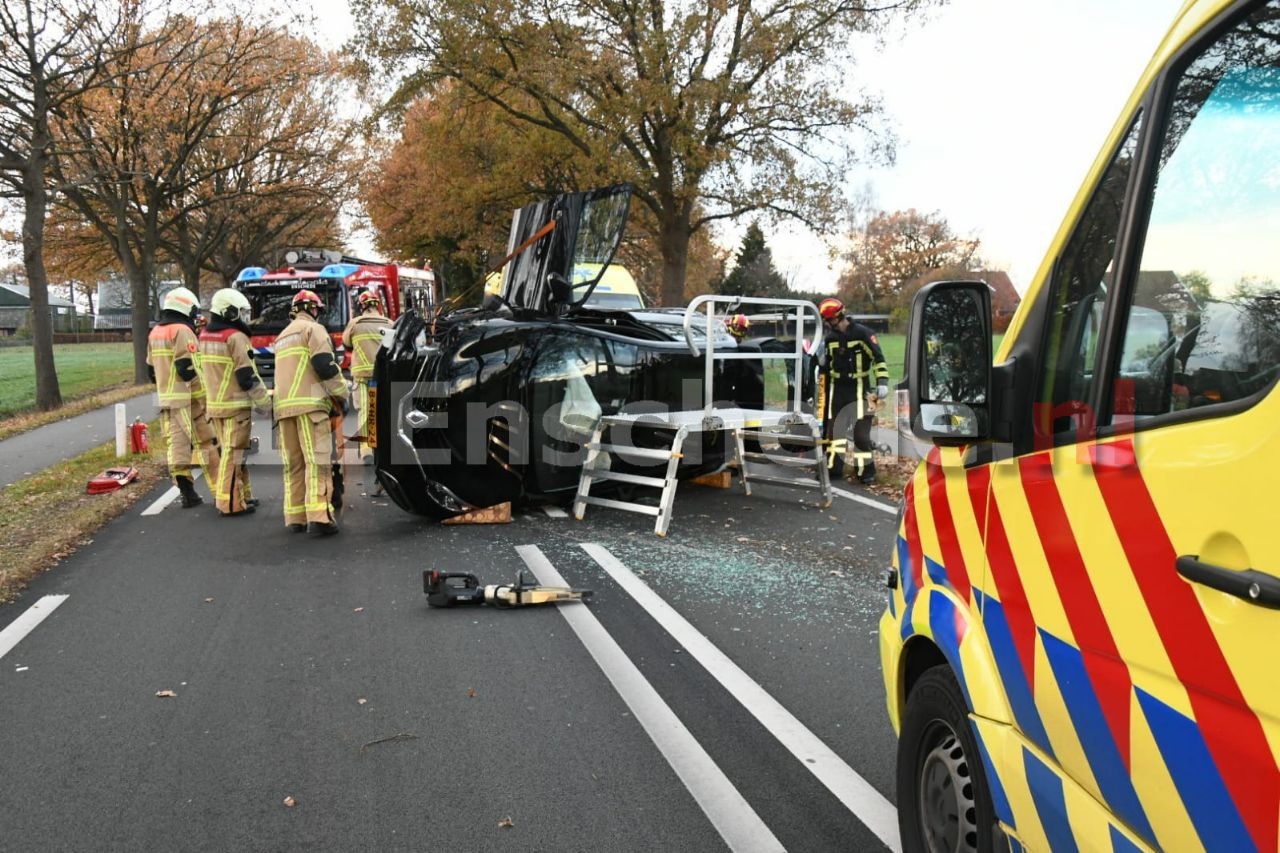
{"x": 949, "y": 362}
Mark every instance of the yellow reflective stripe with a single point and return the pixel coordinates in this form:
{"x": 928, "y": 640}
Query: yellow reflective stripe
{"x": 307, "y": 438}
{"x": 226, "y": 432}
{"x": 291, "y": 396}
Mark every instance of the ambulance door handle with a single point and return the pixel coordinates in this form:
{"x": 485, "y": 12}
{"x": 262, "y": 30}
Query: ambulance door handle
{"x": 1251, "y": 585}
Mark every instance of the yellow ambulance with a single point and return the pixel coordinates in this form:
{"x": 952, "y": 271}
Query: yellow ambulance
{"x": 1080, "y": 646}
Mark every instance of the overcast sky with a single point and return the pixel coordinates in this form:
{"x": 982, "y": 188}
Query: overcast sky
{"x": 1000, "y": 108}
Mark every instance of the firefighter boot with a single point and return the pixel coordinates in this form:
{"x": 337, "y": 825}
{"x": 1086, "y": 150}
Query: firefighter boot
{"x": 188, "y": 491}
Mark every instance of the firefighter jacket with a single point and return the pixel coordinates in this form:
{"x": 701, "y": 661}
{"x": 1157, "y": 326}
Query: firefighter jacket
{"x": 307, "y": 376}
{"x": 226, "y": 366}
{"x": 171, "y": 353}
{"x": 362, "y": 338}
{"x": 854, "y": 354}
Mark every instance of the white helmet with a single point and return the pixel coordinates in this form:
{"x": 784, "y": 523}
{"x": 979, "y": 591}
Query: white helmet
{"x": 230, "y": 304}
{"x": 183, "y": 301}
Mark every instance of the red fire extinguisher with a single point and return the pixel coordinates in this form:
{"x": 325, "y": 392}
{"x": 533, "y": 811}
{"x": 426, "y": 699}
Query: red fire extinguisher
{"x": 138, "y": 436}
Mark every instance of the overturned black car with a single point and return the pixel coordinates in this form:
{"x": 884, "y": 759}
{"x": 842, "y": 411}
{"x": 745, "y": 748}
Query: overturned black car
{"x": 479, "y": 406}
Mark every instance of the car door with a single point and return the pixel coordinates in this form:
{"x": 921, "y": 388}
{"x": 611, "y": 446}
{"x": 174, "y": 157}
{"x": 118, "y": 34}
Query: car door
{"x": 1136, "y": 530}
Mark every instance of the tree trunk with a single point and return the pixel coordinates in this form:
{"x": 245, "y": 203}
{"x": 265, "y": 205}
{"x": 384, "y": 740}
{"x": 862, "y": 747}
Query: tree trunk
{"x": 675, "y": 259}
{"x": 48, "y": 395}
{"x": 139, "y": 308}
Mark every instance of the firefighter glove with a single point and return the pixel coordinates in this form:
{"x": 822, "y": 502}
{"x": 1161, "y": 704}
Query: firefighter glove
{"x": 882, "y": 391}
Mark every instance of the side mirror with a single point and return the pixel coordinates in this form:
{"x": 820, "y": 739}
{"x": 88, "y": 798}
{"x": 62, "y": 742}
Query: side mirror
{"x": 561, "y": 288}
{"x": 949, "y": 362}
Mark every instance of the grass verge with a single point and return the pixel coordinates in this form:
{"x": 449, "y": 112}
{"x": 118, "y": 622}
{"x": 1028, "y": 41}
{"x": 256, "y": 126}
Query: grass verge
{"x": 47, "y": 516}
{"x": 83, "y": 369}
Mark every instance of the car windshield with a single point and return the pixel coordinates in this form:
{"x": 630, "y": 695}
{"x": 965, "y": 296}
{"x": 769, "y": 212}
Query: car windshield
{"x": 550, "y": 239}
{"x": 614, "y": 301}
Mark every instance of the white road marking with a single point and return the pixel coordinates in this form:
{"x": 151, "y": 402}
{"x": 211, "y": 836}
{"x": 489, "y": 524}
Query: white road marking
{"x": 883, "y": 507}
{"x": 158, "y": 505}
{"x": 858, "y": 795}
{"x": 26, "y": 623}
{"x": 555, "y": 512}
{"x": 731, "y": 815}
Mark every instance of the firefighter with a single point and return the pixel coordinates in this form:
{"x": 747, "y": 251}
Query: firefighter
{"x": 744, "y": 378}
{"x": 233, "y": 389}
{"x": 171, "y": 364}
{"x": 362, "y": 338}
{"x": 856, "y": 379}
{"x": 309, "y": 388}
{"x": 738, "y": 326}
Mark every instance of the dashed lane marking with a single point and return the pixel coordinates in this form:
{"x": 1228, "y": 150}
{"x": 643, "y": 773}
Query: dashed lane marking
{"x": 880, "y": 505}
{"x": 856, "y": 793}
{"x": 729, "y": 812}
{"x": 26, "y": 623}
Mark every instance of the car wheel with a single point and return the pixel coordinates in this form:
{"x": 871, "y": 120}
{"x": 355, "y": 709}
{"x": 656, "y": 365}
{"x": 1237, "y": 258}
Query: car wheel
{"x": 944, "y": 805}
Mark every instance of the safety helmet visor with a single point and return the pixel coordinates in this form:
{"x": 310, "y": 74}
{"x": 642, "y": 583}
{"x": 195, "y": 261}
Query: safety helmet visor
{"x": 231, "y": 305}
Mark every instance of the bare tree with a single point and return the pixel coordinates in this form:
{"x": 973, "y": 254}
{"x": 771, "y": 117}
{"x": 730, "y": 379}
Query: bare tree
{"x": 52, "y": 53}
{"x": 160, "y": 152}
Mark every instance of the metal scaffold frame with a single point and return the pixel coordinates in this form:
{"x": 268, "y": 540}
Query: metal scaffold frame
{"x": 742, "y": 424}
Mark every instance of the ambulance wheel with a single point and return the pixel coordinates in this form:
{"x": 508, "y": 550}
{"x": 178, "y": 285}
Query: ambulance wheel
{"x": 944, "y": 805}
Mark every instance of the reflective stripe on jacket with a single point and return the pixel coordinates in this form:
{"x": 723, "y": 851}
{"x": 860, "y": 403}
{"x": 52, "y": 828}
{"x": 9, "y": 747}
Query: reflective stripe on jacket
{"x": 362, "y": 337}
{"x": 166, "y": 344}
{"x": 855, "y": 354}
{"x": 222, "y": 353}
{"x": 298, "y": 389}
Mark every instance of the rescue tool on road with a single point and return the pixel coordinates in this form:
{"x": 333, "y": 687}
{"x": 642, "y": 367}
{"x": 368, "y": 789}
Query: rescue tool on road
{"x": 451, "y": 589}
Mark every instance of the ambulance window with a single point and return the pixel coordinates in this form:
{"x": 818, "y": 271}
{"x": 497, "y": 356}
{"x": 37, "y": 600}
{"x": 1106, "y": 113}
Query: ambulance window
{"x": 1210, "y": 261}
{"x": 1080, "y": 284}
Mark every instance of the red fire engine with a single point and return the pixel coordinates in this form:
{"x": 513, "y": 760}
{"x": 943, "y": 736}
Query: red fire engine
{"x": 271, "y": 292}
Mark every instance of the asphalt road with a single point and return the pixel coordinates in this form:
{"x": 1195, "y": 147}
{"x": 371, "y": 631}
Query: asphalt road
{"x": 26, "y": 453}
{"x": 720, "y": 691}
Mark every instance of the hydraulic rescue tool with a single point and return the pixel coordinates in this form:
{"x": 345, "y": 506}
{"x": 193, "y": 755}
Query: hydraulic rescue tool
{"x": 451, "y": 589}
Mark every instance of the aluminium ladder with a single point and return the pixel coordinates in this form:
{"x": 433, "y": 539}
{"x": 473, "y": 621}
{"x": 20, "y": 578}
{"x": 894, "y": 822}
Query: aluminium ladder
{"x": 762, "y": 425}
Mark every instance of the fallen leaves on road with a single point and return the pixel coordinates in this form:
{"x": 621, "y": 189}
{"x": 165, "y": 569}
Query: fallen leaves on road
{"x": 471, "y": 693}
{"x": 289, "y": 802}
{"x": 358, "y": 610}
{"x": 166, "y": 694}
{"x": 208, "y": 600}
{"x": 506, "y": 823}
{"x": 361, "y": 700}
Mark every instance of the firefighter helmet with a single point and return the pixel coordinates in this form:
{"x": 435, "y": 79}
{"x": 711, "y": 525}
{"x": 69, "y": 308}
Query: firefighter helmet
{"x": 183, "y": 301}
{"x": 738, "y": 324}
{"x": 231, "y": 305}
{"x": 369, "y": 299}
{"x": 308, "y": 300}
{"x": 831, "y": 309}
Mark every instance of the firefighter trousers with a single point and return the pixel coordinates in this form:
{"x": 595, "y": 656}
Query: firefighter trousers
{"x": 851, "y": 423}
{"x": 188, "y": 435}
{"x": 306, "y": 445}
{"x": 233, "y": 487}
{"x": 360, "y": 399}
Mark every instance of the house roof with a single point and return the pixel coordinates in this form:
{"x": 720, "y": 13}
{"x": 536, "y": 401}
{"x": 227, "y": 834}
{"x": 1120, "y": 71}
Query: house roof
{"x": 19, "y": 295}
{"x": 1004, "y": 298}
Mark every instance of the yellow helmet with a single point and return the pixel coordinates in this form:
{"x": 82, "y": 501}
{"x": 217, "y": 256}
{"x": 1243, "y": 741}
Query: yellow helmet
{"x": 183, "y": 301}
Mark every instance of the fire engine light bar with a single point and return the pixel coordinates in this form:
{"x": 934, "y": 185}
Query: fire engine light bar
{"x": 252, "y": 274}
{"x": 338, "y": 270}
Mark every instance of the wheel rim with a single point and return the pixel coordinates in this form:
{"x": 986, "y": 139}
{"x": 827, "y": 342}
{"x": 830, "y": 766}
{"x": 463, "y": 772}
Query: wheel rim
{"x": 947, "y": 805}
